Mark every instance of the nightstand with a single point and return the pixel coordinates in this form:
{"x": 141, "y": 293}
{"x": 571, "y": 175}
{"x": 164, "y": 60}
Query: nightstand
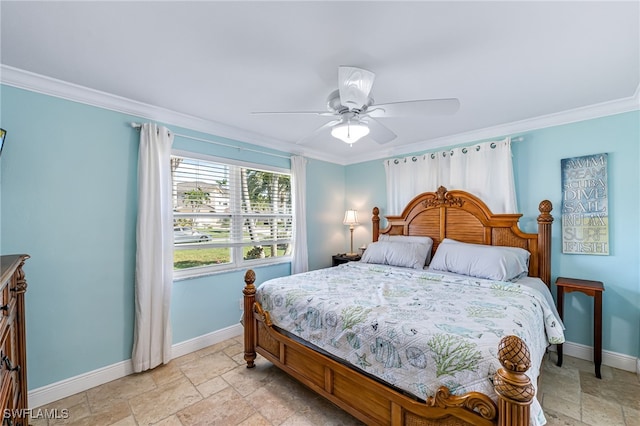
{"x": 338, "y": 259}
{"x": 593, "y": 289}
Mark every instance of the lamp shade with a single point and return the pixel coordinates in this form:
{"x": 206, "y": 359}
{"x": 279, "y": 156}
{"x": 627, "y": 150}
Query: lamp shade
{"x": 350, "y": 217}
{"x": 350, "y": 131}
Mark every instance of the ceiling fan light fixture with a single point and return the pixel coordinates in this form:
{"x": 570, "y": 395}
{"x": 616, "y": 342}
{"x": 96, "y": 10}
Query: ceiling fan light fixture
{"x": 350, "y": 131}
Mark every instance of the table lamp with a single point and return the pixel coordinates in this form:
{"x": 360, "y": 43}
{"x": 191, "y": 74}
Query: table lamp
{"x": 351, "y": 219}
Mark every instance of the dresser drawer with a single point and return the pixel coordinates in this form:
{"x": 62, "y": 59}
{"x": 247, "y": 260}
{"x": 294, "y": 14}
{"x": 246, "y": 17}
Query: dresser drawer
{"x": 6, "y": 378}
{"x": 7, "y": 349}
{"x": 5, "y": 343}
{"x": 5, "y": 299}
{"x": 6, "y": 393}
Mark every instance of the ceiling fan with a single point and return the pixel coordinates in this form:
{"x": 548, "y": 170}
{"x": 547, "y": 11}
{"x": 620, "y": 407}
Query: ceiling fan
{"x": 357, "y": 115}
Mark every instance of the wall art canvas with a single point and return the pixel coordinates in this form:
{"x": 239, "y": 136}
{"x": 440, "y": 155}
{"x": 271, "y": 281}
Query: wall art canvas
{"x": 3, "y": 133}
{"x": 585, "y": 207}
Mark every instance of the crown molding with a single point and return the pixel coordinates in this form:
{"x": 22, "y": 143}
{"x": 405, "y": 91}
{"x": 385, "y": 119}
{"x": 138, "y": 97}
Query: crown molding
{"x": 53, "y": 87}
{"x": 604, "y": 109}
{"x": 38, "y": 83}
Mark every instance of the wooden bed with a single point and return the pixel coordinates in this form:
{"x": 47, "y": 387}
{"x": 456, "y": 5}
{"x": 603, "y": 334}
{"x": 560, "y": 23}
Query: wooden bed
{"x": 442, "y": 214}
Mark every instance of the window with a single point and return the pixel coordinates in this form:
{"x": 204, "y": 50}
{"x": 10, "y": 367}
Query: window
{"x": 228, "y": 215}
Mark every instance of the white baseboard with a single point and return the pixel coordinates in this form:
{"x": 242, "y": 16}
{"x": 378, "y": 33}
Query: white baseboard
{"x": 612, "y": 359}
{"x": 205, "y": 340}
{"x": 638, "y": 368}
{"x": 64, "y": 388}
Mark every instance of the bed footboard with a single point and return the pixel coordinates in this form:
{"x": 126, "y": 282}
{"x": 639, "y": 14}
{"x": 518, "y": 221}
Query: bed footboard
{"x": 373, "y": 402}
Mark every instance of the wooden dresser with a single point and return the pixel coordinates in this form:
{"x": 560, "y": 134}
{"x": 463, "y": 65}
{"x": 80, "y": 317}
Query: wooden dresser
{"x": 13, "y": 356}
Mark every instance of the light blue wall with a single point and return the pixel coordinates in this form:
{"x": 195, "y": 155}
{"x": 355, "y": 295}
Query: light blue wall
{"x": 325, "y": 210}
{"x": 537, "y": 169}
{"x": 365, "y": 191}
{"x": 537, "y": 172}
{"x": 68, "y": 198}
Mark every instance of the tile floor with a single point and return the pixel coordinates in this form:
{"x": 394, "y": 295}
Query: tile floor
{"x": 213, "y": 387}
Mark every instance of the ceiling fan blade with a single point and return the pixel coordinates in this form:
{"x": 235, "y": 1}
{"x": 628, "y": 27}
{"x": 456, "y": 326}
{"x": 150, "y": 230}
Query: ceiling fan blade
{"x": 317, "y": 132}
{"x": 354, "y": 85}
{"x": 378, "y": 132}
{"x": 415, "y": 108}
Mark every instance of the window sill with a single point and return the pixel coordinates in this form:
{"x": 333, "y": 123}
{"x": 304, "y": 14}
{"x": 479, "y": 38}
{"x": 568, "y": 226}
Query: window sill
{"x": 231, "y": 268}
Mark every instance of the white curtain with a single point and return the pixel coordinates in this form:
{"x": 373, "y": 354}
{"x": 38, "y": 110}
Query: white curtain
{"x": 299, "y": 189}
{"x": 154, "y": 257}
{"x": 485, "y": 170}
{"x": 410, "y": 176}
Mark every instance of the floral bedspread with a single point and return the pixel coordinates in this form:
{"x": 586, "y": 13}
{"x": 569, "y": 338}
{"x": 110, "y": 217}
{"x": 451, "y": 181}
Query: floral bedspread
{"x": 414, "y": 329}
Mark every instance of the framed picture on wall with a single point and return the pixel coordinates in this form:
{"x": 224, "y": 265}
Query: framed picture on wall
{"x": 585, "y": 209}
{"x": 3, "y": 133}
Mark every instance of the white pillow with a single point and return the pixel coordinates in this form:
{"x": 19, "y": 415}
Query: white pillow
{"x": 396, "y": 253}
{"x": 482, "y": 261}
{"x": 411, "y": 238}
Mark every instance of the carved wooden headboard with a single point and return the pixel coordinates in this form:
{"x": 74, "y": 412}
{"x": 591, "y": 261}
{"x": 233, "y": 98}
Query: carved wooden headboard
{"x": 462, "y": 216}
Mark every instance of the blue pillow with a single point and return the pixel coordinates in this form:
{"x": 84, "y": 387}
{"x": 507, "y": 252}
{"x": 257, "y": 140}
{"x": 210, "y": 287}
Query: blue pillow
{"x": 396, "y": 253}
{"x": 481, "y": 261}
{"x": 413, "y": 239}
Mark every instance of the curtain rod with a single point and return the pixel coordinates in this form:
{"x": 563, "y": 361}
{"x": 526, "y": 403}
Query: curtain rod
{"x": 137, "y": 126}
{"x": 445, "y": 151}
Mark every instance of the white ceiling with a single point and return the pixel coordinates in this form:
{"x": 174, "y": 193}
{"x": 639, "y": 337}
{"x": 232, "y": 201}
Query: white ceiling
{"x": 507, "y": 62}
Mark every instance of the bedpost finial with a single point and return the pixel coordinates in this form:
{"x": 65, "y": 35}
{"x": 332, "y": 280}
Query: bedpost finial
{"x": 249, "y": 280}
{"x": 376, "y": 211}
{"x": 511, "y": 383}
{"x": 249, "y": 276}
{"x": 545, "y": 208}
{"x": 513, "y": 354}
